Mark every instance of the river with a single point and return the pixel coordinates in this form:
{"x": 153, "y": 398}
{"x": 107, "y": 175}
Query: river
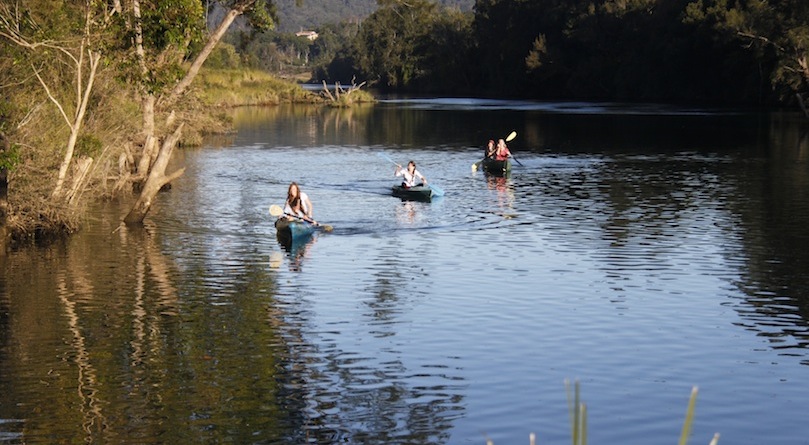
{"x": 639, "y": 250}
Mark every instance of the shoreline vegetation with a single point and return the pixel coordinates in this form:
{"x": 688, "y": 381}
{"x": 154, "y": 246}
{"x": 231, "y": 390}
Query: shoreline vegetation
{"x": 98, "y": 95}
{"x": 27, "y": 216}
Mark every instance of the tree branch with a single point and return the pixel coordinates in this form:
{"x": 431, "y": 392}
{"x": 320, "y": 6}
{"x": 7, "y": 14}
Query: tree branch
{"x": 761, "y": 38}
{"x": 53, "y": 99}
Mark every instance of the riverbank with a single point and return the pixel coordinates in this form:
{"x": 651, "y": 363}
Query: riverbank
{"x": 111, "y": 143}
{"x": 224, "y": 88}
{"x": 221, "y": 89}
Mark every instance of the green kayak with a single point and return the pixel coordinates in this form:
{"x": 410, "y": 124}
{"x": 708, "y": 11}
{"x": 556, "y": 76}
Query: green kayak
{"x": 494, "y": 167}
{"x": 417, "y": 193}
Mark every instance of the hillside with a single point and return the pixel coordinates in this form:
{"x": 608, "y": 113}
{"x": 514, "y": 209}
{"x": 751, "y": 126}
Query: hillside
{"x": 312, "y": 13}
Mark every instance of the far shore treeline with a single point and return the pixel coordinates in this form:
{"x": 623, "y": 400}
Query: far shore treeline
{"x": 97, "y": 94}
{"x": 715, "y": 52}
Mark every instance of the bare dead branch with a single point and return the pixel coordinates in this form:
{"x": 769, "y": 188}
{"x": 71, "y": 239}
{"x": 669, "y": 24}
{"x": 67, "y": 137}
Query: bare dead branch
{"x": 52, "y": 98}
{"x": 762, "y": 39}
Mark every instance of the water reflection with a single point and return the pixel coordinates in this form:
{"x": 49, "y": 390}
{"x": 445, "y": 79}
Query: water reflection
{"x": 362, "y": 385}
{"x": 503, "y": 186}
{"x": 407, "y": 213}
{"x": 770, "y": 204}
{"x": 635, "y": 253}
{"x": 132, "y": 356}
{"x": 296, "y": 249}
{"x": 90, "y": 405}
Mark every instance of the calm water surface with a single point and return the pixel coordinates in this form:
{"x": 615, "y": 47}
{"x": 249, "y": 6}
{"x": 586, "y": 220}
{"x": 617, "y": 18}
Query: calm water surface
{"x": 639, "y": 250}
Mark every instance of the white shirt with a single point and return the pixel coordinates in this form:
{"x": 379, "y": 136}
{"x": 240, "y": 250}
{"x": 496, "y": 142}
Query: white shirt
{"x": 410, "y": 180}
{"x": 304, "y": 206}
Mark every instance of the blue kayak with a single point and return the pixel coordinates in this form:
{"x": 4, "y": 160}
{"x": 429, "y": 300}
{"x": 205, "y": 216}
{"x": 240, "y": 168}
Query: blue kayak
{"x": 293, "y": 230}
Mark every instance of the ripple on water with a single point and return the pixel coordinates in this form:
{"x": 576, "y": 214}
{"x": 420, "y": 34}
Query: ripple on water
{"x": 442, "y": 322}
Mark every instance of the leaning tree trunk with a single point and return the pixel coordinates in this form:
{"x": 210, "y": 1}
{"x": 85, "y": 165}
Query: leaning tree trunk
{"x": 156, "y": 180}
{"x": 213, "y": 39}
{"x": 148, "y": 154}
{"x": 804, "y": 64}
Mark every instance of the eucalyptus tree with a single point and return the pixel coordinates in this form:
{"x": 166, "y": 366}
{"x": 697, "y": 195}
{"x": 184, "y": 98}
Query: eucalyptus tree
{"x": 506, "y": 31}
{"x": 60, "y": 45}
{"x": 448, "y": 54}
{"x": 776, "y": 31}
{"x": 387, "y": 46}
{"x": 166, "y": 44}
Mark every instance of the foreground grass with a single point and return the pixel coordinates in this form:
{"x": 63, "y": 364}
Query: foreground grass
{"x": 578, "y": 418}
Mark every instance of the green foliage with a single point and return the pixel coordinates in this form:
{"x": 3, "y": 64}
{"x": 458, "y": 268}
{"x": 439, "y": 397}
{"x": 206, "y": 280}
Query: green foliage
{"x": 224, "y": 56}
{"x": 776, "y": 33}
{"x": 331, "y": 40}
{"x": 173, "y": 23}
{"x": 172, "y": 30}
{"x": 272, "y": 51}
{"x": 10, "y": 157}
{"x": 403, "y": 45}
{"x": 314, "y": 14}
{"x": 447, "y": 47}
{"x": 704, "y": 51}
{"x": 263, "y": 15}
{"x": 88, "y": 145}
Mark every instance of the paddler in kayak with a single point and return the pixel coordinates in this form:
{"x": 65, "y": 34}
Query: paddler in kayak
{"x": 298, "y": 204}
{"x": 410, "y": 175}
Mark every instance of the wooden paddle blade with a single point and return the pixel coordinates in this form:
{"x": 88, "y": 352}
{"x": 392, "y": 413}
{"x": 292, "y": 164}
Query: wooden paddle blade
{"x": 511, "y": 136}
{"x": 276, "y": 211}
{"x": 475, "y": 167}
{"x": 327, "y": 228}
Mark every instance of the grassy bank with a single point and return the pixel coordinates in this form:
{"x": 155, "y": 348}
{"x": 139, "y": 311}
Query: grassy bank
{"x": 232, "y": 88}
{"x": 226, "y": 88}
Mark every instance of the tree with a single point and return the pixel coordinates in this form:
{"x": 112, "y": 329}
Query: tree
{"x": 408, "y": 44}
{"x": 164, "y": 35}
{"x": 773, "y": 30}
{"x": 447, "y": 53}
{"x": 67, "y": 50}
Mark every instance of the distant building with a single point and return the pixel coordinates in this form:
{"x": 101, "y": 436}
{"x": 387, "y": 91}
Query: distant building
{"x": 311, "y": 35}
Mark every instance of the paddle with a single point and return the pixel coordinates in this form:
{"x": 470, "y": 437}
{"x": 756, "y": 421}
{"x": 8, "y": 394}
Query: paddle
{"x": 277, "y": 211}
{"x": 509, "y": 138}
{"x": 437, "y": 191}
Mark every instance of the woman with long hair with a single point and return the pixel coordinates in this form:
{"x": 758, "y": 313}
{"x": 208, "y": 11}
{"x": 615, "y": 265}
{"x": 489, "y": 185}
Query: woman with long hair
{"x": 410, "y": 175}
{"x": 298, "y": 204}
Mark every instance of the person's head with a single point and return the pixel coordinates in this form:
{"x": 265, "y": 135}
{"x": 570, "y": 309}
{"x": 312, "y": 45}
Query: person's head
{"x": 294, "y": 191}
{"x": 501, "y": 143}
{"x": 411, "y": 166}
{"x": 491, "y": 143}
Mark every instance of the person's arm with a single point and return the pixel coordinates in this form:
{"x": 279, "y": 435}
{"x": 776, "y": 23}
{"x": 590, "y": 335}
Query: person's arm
{"x": 310, "y": 210}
